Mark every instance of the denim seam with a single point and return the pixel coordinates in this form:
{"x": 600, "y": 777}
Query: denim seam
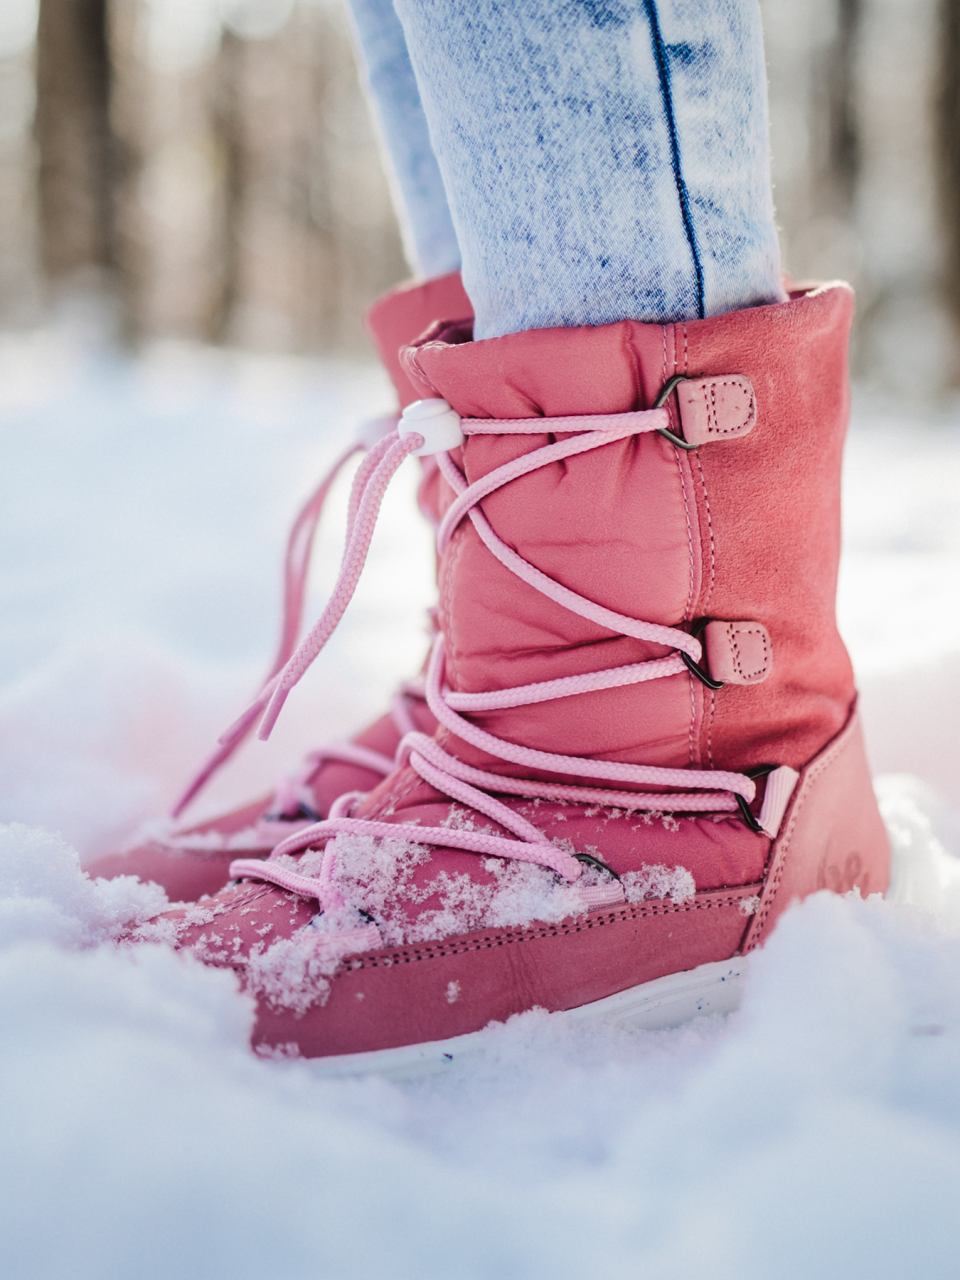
{"x": 663, "y": 71}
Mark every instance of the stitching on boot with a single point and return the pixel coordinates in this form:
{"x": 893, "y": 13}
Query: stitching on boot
{"x": 713, "y": 414}
{"x": 688, "y": 610}
{"x": 407, "y": 790}
{"x": 456, "y": 557}
{"x": 734, "y": 633}
{"x": 393, "y": 797}
{"x": 713, "y": 704}
{"x": 708, "y": 695}
{"x": 713, "y": 561}
{"x": 671, "y": 411}
{"x": 691, "y": 739}
{"x": 456, "y": 552}
{"x": 621, "y": 915}
{"x": 734, "y": 649}
{"x": 663, "y": 340}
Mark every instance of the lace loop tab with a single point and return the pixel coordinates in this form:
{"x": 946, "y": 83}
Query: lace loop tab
{"x": 721, "y": 408}
{"x": 738, "y": 652}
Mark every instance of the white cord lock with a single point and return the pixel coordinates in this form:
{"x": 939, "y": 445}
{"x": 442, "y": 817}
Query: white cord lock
{"x": 436, "y": 422}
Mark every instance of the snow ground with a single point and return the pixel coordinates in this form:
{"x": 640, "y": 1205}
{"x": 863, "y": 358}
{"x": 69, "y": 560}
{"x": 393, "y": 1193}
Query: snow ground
{"x": 815, "y": 1132}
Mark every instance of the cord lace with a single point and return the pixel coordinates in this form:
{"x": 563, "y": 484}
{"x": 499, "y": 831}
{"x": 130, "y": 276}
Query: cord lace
{"x": 296, "y": 567}
{"x": 699, "y": 790}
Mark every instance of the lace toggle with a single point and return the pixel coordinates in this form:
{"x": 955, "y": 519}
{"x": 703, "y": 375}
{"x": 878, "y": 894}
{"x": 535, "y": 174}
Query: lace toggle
{"x": 436, "y": 422}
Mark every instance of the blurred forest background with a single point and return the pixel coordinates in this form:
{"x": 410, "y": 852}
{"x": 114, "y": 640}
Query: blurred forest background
{"x": 210, "y": 166}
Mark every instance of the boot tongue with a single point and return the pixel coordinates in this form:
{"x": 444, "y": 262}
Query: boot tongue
{"x": 406, "y": 312}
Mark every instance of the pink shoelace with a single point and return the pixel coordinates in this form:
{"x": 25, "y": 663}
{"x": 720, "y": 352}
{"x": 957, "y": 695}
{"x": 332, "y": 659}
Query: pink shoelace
{"x": 293, "y": 799}
{"x": 712, "y": 790}
{"x": 291, "y": 793}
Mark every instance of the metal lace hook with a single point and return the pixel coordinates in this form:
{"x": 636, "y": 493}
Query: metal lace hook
{"x": 589, "y": 860}
{"x": 665, "y": 392}
{"x": 745, "y": 811}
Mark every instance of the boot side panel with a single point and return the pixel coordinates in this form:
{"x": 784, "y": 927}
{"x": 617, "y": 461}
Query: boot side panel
{"x": 401, "y": 315}
{"x": 406, "y": 995}
{"x": 832, "y": 835}
{"x": 769, "y": 505}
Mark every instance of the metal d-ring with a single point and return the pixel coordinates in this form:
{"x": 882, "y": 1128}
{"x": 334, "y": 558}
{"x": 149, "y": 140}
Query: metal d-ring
{"x": 745, "y": 811}
{"x": 694, "y": 667}
{"x": 665, "y": 392}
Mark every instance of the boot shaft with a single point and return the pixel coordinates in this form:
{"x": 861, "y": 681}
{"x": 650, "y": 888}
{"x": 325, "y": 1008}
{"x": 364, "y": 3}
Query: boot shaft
{"x": 401, "y": 315}
{"x": 745, "y": 528}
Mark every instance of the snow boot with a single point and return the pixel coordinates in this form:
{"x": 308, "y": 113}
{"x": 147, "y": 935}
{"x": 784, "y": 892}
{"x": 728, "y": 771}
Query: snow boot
{"x": 647, "y": 741}
{"x": 191, "y": 861}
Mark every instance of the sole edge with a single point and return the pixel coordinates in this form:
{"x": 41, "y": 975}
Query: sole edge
{"x": 657, "y": 1005}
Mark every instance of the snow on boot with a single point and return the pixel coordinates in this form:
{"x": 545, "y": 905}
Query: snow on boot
{"x": 192, "y": 861}
{"x": 647, "y": 739}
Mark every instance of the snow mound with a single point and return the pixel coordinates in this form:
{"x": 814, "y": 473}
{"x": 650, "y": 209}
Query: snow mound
{"x": 142, "y": 1138}
{"x": 922, "y": 873}
{"x": 816, "y": 1133}
{"x": 44, "y": 896}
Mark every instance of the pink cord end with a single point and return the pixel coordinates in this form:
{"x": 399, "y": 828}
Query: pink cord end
{"x": 272, "y": 713}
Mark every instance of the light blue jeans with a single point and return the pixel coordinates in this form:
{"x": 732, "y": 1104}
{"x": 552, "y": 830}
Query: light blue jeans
{"x": 428, "y": 235}
{"x": 600, "y": 159}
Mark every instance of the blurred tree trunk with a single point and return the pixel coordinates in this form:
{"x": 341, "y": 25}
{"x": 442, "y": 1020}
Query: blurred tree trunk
{"x": 948, "y": 148}
{"x": 231, "y": 182}
{"x": 73, "y": 135}
{"x": 309, "y": 233}
{"x": 843, "y": 144}
{"x": 813, "y": 49}
{"x": 856, "y": 169}
{"x": 282, "y": 256}
{"x": 229, "y": 123}
{"x": 168, "y": 237}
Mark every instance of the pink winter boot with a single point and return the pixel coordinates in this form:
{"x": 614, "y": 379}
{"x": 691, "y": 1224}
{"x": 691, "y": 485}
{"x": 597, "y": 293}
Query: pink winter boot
{"x": 194, "y": 860}
{"x": 647, "y": 739}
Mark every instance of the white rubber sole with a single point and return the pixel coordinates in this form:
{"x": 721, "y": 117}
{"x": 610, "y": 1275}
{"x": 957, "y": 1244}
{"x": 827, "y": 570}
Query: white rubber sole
{"x": 651, "y": 1006}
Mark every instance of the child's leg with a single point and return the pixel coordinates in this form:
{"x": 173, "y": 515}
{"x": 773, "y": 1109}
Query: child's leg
{"x": 603, "y": 159}
{"x": 429, "y": 238}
